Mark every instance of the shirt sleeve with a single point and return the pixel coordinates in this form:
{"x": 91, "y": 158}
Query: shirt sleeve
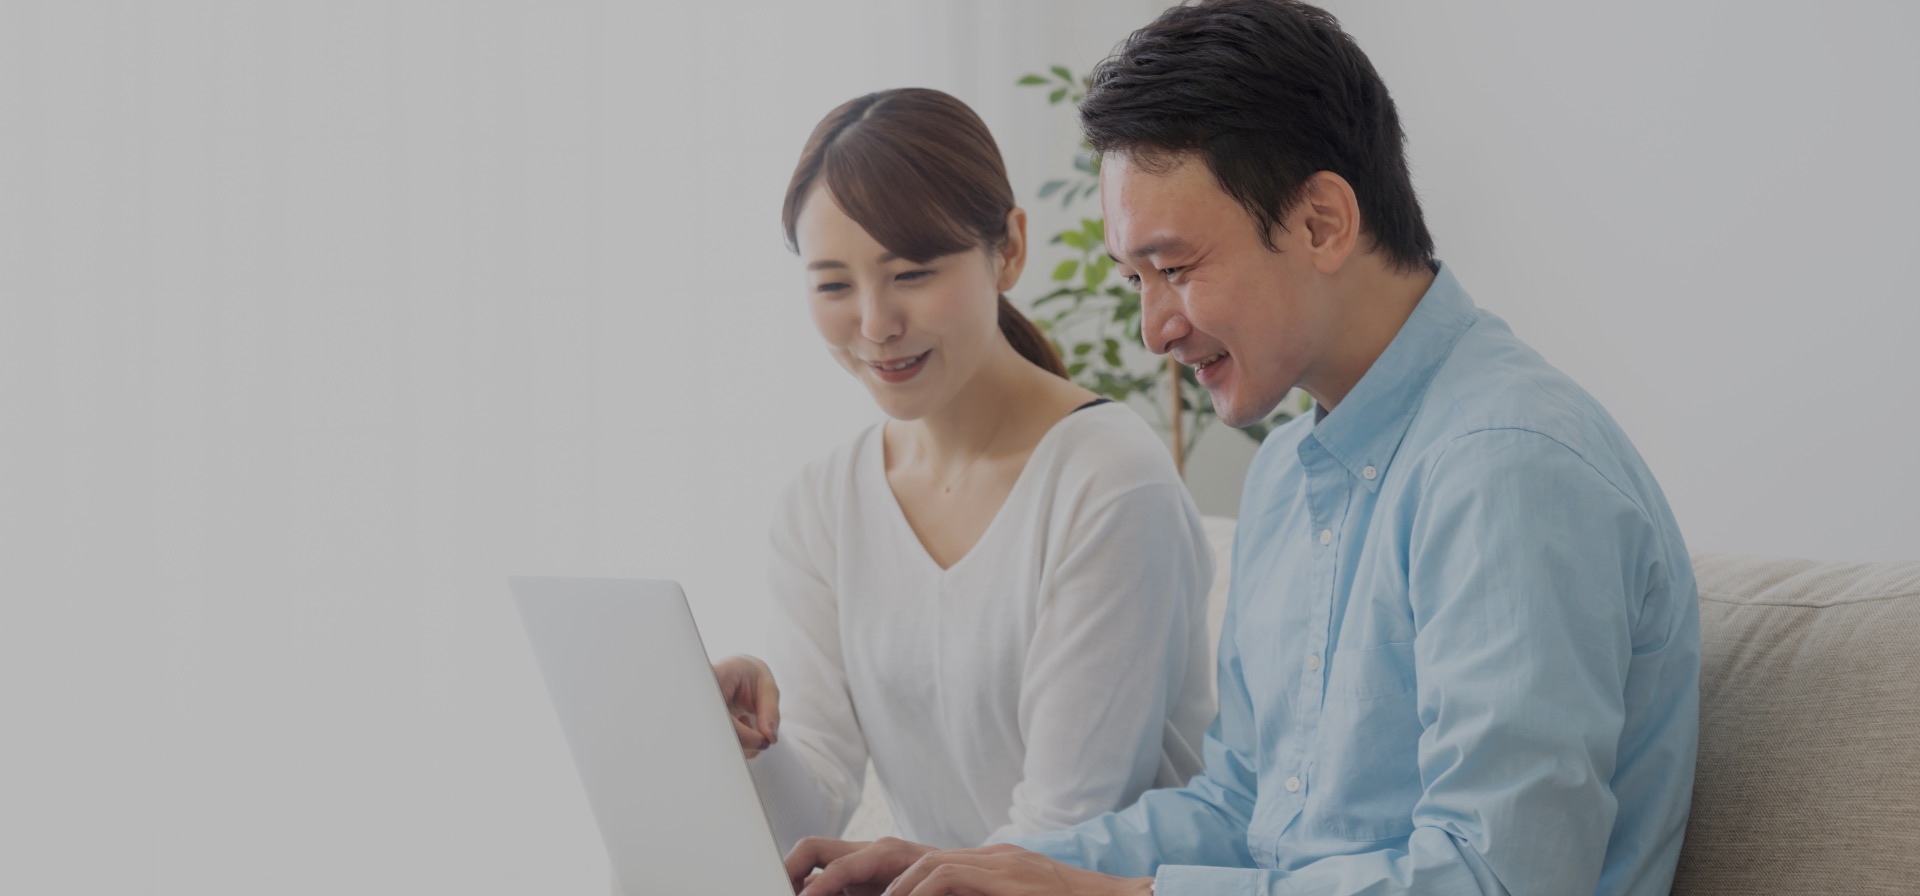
{"x": 1123, "y": 614}
{"x": 811, "y": 779}
{"x": 1203, "y": 823}
{"x": 1526, "y": 572}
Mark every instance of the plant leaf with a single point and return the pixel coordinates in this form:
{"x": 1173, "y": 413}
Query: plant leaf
{"x": 1057, "y": 95}
{"x": 1096, "y": 271}
{"x": 1065, "y": 271}
{"x": 1031, "y": 79}
{"x": 1051, "y": 187}
{"x": 1075, "y": 239}
{"x": 1065, "y": 75}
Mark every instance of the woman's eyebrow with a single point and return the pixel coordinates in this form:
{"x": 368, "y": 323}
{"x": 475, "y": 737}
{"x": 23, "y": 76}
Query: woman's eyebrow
{"x": 824, "y": 265}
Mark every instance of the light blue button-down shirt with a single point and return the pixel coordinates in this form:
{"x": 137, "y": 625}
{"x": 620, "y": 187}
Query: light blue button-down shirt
{"x": 1461, "y": 652}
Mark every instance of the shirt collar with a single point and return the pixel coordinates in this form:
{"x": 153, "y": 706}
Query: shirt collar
{"x": 1365, "y": 430}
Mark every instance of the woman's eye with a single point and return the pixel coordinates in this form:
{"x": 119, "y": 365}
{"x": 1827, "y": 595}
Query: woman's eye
{"x": 830, "y": 287}
{"x": 906, "y": 276}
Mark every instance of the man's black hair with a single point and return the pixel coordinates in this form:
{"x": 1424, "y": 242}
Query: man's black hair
{"x": 1266, "y": 92}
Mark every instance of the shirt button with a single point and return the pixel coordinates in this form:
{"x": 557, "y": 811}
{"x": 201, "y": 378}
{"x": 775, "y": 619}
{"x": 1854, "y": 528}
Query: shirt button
{"x": 1293, "y": 785}
{"x": 1326, "y": 536}
{"x": 1313, "y": 663}
{"x": 1370, "y": 473}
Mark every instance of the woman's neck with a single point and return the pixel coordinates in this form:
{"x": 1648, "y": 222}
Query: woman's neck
{"x": 997, "y": 404}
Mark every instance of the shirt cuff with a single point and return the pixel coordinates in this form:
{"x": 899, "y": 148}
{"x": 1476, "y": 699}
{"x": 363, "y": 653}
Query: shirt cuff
{"x": 1195, "y": 880}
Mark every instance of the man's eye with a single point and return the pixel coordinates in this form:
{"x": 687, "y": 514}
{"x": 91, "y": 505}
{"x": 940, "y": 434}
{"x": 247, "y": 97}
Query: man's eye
{"x": 1169, "y": 272}
{"x": 1133, "y": 280}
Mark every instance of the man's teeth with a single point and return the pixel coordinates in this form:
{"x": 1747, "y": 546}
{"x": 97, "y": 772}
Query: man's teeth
{"x": 1209, "y": 360}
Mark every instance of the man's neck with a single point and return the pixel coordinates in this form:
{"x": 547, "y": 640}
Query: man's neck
{"x": 1377, "y": 300}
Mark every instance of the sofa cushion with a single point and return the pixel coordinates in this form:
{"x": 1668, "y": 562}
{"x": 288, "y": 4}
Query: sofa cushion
{"x": 1809, "y": 770}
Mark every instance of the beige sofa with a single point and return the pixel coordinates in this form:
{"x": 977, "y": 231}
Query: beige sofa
{"x": 1809, "y": 770}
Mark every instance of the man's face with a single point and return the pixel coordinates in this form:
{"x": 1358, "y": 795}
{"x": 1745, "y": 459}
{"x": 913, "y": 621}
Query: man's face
{"x": 1246, "y": 317}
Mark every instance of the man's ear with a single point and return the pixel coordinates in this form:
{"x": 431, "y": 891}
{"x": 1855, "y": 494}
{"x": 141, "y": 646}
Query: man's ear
{"x": 1012, "y": 257}
{"x": 1328, "y": 217}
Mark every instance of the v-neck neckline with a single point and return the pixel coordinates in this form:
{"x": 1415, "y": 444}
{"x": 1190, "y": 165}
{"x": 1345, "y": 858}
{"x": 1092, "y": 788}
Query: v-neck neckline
{"x": 877, "y": 468}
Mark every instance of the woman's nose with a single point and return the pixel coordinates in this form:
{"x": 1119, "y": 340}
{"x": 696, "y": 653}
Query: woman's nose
{"x": 880, "y": 320}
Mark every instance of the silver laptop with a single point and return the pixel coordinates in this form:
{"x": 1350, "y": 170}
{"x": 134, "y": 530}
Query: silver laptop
{"x": 650, "y": 737}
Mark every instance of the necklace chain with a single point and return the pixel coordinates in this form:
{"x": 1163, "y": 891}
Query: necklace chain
{"x": 953, "y": 480}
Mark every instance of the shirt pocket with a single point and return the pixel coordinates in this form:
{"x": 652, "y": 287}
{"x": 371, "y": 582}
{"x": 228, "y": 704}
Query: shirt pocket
{"x": 1368, "y": 777}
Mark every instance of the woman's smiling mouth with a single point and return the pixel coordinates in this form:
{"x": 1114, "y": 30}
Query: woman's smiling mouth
{"x": 899, "y": 370}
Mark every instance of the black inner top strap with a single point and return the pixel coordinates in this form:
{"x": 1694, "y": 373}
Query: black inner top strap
{"x": 1091, "y": 404}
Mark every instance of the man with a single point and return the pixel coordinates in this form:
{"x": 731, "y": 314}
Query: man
{"x": 1461, "y": 652}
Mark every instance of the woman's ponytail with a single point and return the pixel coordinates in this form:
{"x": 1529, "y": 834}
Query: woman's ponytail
{"x": 1027, "y": 339}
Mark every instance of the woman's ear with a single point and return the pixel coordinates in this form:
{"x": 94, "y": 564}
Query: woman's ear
{"x": 1012, "y": 257}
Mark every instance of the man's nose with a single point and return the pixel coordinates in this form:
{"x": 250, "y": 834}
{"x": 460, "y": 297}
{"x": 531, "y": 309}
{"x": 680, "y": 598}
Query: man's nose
{"x": 1161, "y": 323}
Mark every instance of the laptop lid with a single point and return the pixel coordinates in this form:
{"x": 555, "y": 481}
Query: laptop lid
{"x": 650, "y": 736}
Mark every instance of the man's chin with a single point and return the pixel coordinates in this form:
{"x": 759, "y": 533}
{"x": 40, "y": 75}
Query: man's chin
{"x": 1239, "y": 417}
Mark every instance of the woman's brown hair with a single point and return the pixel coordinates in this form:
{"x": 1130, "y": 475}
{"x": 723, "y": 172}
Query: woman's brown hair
{"x": 920, "y": 173}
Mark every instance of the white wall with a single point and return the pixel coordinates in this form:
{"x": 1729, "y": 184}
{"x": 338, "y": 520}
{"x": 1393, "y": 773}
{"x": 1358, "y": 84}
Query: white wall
{"x": 317, "y": 319}
{"x": 1704, "y": 212}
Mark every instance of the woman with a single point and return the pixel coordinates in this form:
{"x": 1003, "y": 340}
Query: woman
{"x": 998, "y": 594}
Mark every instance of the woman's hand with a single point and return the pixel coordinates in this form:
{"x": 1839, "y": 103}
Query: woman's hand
{"x": 753, "y": 700}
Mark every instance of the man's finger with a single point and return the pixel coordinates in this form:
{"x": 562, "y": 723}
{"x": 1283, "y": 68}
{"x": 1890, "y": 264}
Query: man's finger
{"x": 918, "y": 872}
{"x": 814, "y": 852}
{"x": 953, "y": 877}
{"x": 843, "y": 873}
{"x": 873, "y": 865}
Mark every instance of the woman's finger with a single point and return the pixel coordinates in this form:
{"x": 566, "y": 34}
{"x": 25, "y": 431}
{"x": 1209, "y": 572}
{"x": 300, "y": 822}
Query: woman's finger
{"x": 751, "y": 740}
{"x": 767, "y": 708}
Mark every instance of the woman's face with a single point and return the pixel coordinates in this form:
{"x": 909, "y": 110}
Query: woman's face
{"x": 913, "y": 334}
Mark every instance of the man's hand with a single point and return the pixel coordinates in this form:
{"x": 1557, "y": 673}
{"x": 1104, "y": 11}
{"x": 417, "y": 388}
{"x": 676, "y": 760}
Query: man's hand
{"x": 1005, "y": 870}
{"x": 859, "y": 869}
{"x": 752, "y": 700}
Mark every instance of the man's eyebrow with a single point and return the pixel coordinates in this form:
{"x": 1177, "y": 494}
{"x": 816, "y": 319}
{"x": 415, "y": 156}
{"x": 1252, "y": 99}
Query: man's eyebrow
{"x": 1169, "y": 246}
{"x": 824, "y": 265}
